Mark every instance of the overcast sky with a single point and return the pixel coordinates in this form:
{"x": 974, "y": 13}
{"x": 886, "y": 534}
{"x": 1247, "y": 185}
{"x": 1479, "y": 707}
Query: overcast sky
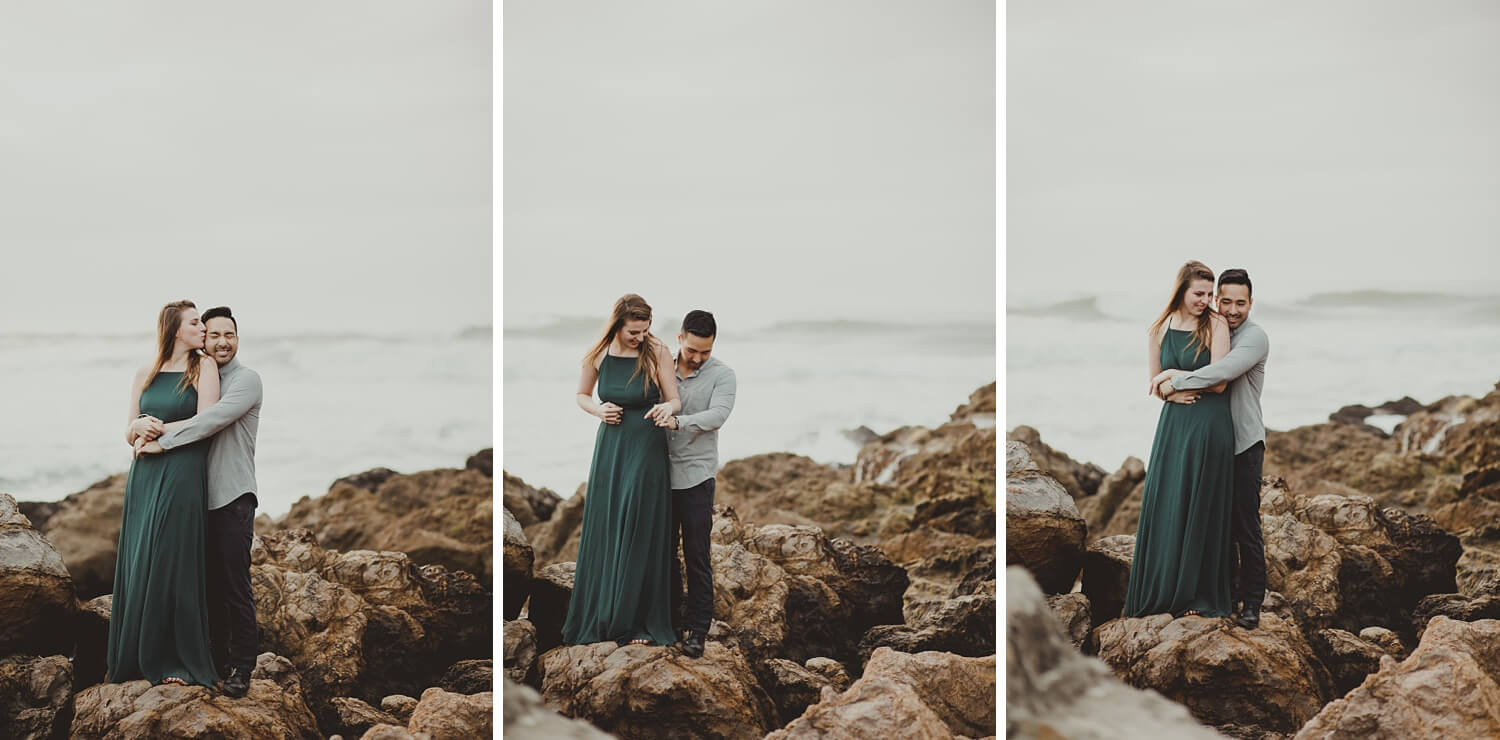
{"x": 784, "y": 158}
{"x": 1323, "y": 146}
{"x": 321, "y": 166}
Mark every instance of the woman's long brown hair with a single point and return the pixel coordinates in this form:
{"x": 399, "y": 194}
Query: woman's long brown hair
{"x": 167, "y": 324}
{"x": 1203, "y": 334}
{"x": 630, "y": 307}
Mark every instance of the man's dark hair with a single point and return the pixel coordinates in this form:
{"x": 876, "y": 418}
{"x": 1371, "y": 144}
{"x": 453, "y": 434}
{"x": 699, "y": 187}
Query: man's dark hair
{"x": 221, "y": 312}
{"x": 1236, "y": 276}
{"x": 700, "y": 323}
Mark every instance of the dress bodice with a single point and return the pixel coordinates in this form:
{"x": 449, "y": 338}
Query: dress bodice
{"x": 163, "y": 400}
{"x": 618, "y": 387}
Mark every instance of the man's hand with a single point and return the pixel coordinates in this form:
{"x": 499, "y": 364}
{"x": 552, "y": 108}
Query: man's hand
{"x": 147, "y": 427}
{"x": 143, "y": 447}
{"x": 1183, "y": 397}
{"x": 668, "y": 422}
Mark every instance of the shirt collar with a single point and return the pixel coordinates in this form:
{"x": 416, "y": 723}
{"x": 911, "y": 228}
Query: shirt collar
{"x": 696, "y": 373}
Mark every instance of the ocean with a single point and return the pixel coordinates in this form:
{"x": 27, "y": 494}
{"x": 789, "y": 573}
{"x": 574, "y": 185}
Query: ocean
{"x": 335, "y": 404}
{"x": 1076, "y": 368}
{"x": 803, "y": 385}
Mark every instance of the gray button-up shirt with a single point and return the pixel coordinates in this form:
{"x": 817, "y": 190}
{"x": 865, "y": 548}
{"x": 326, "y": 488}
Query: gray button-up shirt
{"x": 232, "y": 422}
{"x": 707, "y": 398}
{"x": 1246, "y": 366}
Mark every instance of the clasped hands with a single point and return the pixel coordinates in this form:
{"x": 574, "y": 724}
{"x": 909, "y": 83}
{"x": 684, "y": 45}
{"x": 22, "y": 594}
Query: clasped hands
{"x": 1161, "y": 387}
{"x": 146, "y": 429}
{"x": 661, "y": 413}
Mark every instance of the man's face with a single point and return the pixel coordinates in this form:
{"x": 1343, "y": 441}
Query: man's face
{"x": 1234, "y": 305}
{"x": 695, "y": 351}
{"x": 223, "y": 342}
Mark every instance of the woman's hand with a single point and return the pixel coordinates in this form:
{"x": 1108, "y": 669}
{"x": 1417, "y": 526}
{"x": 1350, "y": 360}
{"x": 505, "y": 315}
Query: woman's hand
{"x": 660, "y": 412}
{"x": 609, "y": 413}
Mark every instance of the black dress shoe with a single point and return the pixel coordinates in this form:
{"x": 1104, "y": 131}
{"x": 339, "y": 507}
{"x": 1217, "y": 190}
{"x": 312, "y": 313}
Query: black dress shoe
{"x": 692, "y": 645}
{"x": 238, "y": 683}
{"x": 1249, "y": 617}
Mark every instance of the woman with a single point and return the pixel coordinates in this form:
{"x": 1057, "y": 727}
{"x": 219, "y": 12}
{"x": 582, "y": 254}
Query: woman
{"x": 620, "y": 586}
{"x": 158, "y": 627}
{"x": 1182, "y": 556}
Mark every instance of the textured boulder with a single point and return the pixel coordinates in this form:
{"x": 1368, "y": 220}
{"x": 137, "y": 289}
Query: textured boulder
{"x": 1043, "y": 530}
{"x": 1099, "y": 508}
{"x": 1072, "y": 611}
{"x": 437, "y": 517}
{"x": 1080, "y": 480}
{"x": 85, "y": 529}
{"x": 527, "y": 718}
{"x": 519, "y": 651}
{"x": 926, "y": 695}
{"x": 469, "y": 677}
{"x": 482, "y": 461}
{"x": 793, "y": 688}
{"x": 1348, "y": 657}
{"x": 444, "y": 715}
{"x": 36, "y": 592}
{"x": 399, "y": 706}
{"x": 529, "y": 505}
{"x": 1106, "y": 575}
{"x": 964, "y": 625}
{"x": 517, "y": 561}
{"x": 556, "y": 539}
{"x": 356, "y": 717}
{"x": 1052, "y": 691}
{"x": 1446, "y": 688}
{"x": 638, "y": 691}
{"x": 955, "y": 459}
{"x": 274, "y": 708}
{"x": 1265, "y": 680}
{"x": 750, "y": 595}
{"x": 1456, "y": 607}
{"x": 954, "y": 571}
{"x": 35, "y": 696}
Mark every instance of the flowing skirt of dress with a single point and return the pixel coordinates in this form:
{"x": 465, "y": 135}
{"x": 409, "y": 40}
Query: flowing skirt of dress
{"x": 621, "y": 581}
{"x": 1182, "y": 546}
{"x": 158, "y": 623}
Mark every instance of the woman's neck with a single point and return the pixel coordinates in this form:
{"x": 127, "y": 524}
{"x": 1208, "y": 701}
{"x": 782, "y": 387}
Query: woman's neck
{"x": 179, "y": 357}
{"x": 620, "y": 350}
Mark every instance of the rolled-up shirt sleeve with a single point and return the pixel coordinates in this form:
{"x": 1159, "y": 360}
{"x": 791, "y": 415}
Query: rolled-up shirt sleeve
{"x": 1251, "y": 349}
{"x": 235, "y": 403}
{"x": 720, "y": 403}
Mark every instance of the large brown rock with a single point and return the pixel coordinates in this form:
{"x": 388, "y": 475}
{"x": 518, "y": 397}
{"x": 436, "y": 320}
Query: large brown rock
{"x": 957, "y": 458}
{"x": 1265, "y": 680}
{"x": 1098, "y": 509}
{"x": 1080, "y": 480}
{"x": 437, "y": 517}
{"x": 37, "y": 604}
{"x": 1446, "y": 688}
{"x": 519, "y": 651}
{"x": 356, "y": 717}
{"x": 445, "y": 715}
{"x": 963, "y": 625}
{"x": 556, "y": 539}
{"x": 793, "y": 688}
{"x": 1043, "y": 530}
{"x": 638, "y": 691}
{"x": 274, "y": 708}
{"x": 954, "y": 571}
{"x": 1072, "y": 611}
{"x": 85, "y": 529}
{"x": 518, "y": 559}
{"x": 1348, "y": 657}
{"x": 528, "y": 504}
{"x": 750, "y": 595}
{"x": 527, "y": 718}
{"x": 35, "y": 696}
{"x": 1052, "y": 691}
{"x": 469, "y": 677}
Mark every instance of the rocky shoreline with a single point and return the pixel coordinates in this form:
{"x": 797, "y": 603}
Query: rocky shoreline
{"x": 857, "y": 601}
{"x": 374, "y": 603}
{"x": 1383, "y": 603}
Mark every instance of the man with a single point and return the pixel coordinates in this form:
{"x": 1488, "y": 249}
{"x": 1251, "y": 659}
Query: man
{"x": 1245, "y": 365}
{"x": 229, "y": 520}
{"x": 706, "y": 387}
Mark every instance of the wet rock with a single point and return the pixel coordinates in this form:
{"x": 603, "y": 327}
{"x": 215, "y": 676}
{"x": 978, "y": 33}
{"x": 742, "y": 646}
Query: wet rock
{"x": 527, "y": 718}
{"x": 469, "y": 677}
{"x": 529, "y": 505}
{"x": 273, "y": 708}
{"x": 517, "y": 561}
{"x": 638, "y": 691}
{"x": 36, "y": 592}
{"x": 437, "y": 517}
{"x": 445, "y": 715}
{"x": 1043, "y": 529}
{"x": 1080, "y": 480}
{"x": 520, "y": 651}
{"x": 1263, "y": 680}
{"x": 551, "y": 591}
{"x": 1052, "y": 691}
{"x": 36, "y": 696}
{"x": 1106, "y": 575}
{"x": 356, "y": 717}
{"x": 85, "y": 530}
{"x": 1446, "y": 688}
{"x": 1072, "y": 611}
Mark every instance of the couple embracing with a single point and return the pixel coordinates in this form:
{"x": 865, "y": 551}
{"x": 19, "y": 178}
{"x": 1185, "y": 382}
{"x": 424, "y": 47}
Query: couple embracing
{"x": 182, "y": 611}
{"x": 1198, "y": 546}
{"x": 651, "y": 482}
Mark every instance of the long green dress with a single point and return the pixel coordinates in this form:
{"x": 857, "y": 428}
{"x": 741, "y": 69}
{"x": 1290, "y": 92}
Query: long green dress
{"x": 158, "y": 624}
{"x": 1182, "y": 555}
{"x": 621, "y": 582}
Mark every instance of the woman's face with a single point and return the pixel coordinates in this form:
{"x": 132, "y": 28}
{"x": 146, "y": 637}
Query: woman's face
{"x": 191, "y": 332}
{"x": 1199, "y": 294}
{"x": 633, "y": 332}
